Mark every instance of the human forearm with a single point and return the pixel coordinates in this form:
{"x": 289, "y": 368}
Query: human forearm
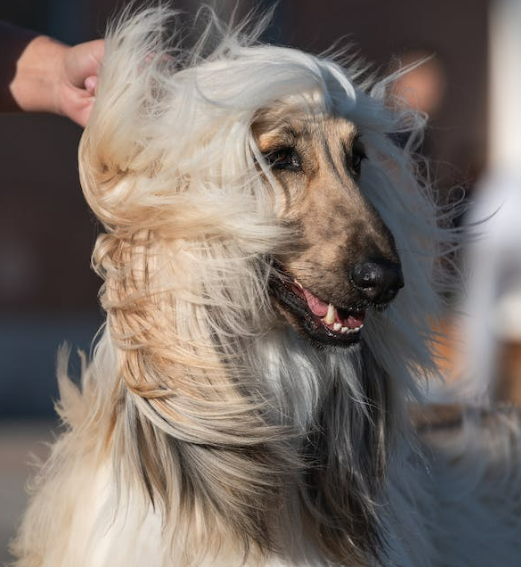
{"x": 13, "y": 42}
{"x": 35, "y": 86}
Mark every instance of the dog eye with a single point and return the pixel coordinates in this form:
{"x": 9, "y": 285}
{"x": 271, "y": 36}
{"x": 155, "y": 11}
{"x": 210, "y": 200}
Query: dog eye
{"x": 284, "y": 158}
{"x": 357, "y": 156}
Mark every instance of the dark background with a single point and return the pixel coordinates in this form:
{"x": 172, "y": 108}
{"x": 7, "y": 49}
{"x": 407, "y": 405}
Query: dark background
{"x": 48, "y": 293}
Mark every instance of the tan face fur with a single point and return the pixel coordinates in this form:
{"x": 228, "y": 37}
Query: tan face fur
{"x": 318, "y": 162}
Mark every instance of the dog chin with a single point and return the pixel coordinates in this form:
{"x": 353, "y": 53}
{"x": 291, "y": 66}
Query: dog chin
{"x": 318, "y": 336}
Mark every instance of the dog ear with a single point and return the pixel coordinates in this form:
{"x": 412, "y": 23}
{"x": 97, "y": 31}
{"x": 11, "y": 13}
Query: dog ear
{"x": 348, "y": 446}
{"x": 113, "y": 155}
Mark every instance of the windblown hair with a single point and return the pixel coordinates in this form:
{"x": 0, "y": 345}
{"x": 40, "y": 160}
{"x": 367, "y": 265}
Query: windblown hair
{"x": 203, "y": 405}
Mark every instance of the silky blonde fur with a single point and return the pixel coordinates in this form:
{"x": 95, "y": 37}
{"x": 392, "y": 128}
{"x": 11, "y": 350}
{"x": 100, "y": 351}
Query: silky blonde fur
{"x": 206, "y": 432}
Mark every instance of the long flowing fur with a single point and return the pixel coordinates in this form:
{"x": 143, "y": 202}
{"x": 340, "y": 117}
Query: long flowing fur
{"x": 206, "y": 432}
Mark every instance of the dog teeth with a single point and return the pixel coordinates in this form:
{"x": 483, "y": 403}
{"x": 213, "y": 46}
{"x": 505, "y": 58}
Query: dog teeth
{"x": 348, "y": 331}
{"x": 330, "y": 315}
{"x": 330, "y": 320}
{"x": 298, "y": 284}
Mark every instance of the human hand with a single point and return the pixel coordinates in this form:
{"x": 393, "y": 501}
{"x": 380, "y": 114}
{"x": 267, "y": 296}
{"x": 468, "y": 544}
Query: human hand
{"x": 78, "y": 80}
{"x": 53, "y": 77}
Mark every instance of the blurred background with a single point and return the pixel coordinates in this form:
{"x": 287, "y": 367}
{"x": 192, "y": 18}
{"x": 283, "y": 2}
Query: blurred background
{"x": 470, "y": 86}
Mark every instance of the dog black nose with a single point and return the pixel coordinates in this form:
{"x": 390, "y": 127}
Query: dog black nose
{"x": 377, "y": 281}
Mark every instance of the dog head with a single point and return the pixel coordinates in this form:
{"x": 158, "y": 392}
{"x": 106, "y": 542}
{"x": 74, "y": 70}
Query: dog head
{"x": 287, "y": 176}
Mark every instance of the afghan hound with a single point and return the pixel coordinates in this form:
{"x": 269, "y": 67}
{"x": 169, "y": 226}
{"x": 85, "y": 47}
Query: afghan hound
{"x": 271, "y": 275}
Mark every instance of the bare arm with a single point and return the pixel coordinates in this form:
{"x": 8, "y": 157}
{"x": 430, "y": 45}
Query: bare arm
{"x": 40, "y": 74}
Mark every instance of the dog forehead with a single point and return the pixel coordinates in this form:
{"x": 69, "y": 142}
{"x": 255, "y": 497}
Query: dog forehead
{"x": 288, "y": 131}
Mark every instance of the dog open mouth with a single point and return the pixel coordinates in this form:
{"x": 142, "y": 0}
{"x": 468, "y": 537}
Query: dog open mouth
{"x": 322, "y": 321}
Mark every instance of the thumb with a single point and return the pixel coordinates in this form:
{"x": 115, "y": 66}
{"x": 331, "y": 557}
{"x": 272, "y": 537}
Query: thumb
{"x": 83, "y": 64}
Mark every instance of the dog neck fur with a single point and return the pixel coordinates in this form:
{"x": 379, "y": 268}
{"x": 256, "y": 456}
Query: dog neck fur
{"x": 304, "y": 473}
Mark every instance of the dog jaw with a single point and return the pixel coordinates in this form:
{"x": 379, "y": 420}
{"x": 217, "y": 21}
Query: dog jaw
{"x": 321, "y": 323}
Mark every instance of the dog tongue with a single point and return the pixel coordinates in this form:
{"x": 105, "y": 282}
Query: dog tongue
{"x": 316, "y": 306}
{"x": 319, "y": 309}
{"x": 353, "y": 322}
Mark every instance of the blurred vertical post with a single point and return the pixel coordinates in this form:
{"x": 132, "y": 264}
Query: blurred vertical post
{"x": 494, "y": 288}
{"x": 505, "y": 157}
{"x": 505, "y": 87}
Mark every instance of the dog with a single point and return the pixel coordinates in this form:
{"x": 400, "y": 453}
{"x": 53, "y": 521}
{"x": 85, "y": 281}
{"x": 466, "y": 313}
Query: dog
{"x": 271, "y": 274}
